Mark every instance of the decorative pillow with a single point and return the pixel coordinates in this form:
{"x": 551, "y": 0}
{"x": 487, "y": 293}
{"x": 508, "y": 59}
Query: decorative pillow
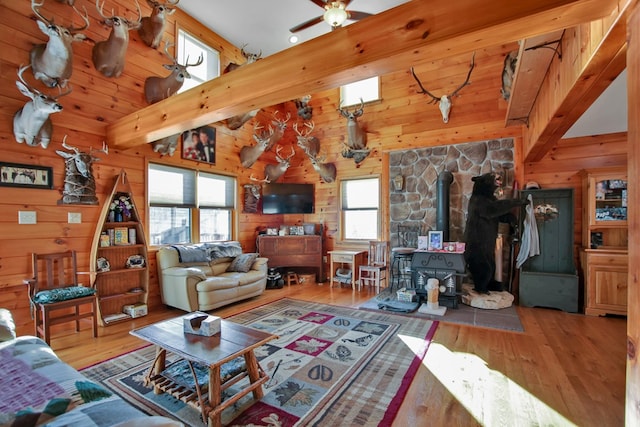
{"x": 7, "y": 325}
{"x": 62, "y": 294}
{"x": 242, "y": 263}
{"x": 192, "y": 253}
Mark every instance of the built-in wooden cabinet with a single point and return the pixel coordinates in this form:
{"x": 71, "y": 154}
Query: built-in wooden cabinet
{"x": 604, "y": 240}
{"x": 119, "y": 258}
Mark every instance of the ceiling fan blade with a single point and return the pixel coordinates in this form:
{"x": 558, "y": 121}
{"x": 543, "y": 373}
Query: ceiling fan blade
{"x": 306, "y": 24}
{"x": 320, "y": 3}
{"x": 357, "y": 15}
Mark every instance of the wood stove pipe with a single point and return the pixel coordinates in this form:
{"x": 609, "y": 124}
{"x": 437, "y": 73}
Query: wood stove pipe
{"x": 445, "y": 178}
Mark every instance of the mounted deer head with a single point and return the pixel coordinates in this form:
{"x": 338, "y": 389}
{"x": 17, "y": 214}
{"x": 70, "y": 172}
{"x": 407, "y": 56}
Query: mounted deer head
{"x": 166, "y": 145}
{"x": 250, "y": 154}
{"x": 152, "y": 27}
{"x": 280, "y": 127}
{"x": 159, "y": 88}
{"x": 236, "y": 122}
{"x": 356, "y": 137}
{"x": 305, "y": 111}
{"x": 274, "y": 172}
{"x": 52, "y": 62}
{"x": 79, "y": 183}
{"x": 444, "y": 101}
{"x": 327, "y": 171}
{"x": 109, "y": 56}
{"x": 31, "y": 123}
{"x": 250, "y": 58}
{"x": 309, "y": 144}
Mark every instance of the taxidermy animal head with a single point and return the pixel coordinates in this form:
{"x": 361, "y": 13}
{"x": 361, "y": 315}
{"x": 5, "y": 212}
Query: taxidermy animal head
{"x": 109, "y": 56}
{"x": 52, "y": 62}
{"x": 236, "y": 122}
{"x": 31, "y": 123}
{"x": 79, "y": 183}
{"x": 309, "y": 144}
{"x": 159, "y": 88}
{"x": 444, "y": 101}
{"x": 274, "y": 172}
{"x": 305, "y": 111}
{"x": 152, "y": 27}
{"x": 250, "y": 154}
{"x": 166, "y": 145}
{"x": 508, "y": 73}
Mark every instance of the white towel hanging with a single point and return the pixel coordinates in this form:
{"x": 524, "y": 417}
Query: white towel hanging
{"x": 530, "y": 242}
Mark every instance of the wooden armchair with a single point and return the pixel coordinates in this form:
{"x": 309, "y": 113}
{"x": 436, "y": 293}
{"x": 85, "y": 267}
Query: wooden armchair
{"x": 374, "y": 273}
{"x": 54, "y": 286}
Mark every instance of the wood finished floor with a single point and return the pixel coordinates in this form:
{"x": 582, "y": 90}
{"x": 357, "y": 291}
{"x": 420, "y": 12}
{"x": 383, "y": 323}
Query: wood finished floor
{"x": 565, "y": 369}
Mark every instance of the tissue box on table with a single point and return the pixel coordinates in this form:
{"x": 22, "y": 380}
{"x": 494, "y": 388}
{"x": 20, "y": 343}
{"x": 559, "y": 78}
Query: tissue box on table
{"x": 198, "y": 323}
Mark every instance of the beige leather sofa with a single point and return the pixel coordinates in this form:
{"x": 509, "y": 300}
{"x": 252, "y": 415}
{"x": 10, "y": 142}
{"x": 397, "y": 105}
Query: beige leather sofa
{"x": 196, "y": 277}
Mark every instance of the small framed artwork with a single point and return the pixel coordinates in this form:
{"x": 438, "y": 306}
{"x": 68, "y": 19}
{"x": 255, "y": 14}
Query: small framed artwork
{"x": 435, "y": 240}
{"x": 200, "y": 144}
{"x": 272, "y": 231}
{"x": 26, "y": 176}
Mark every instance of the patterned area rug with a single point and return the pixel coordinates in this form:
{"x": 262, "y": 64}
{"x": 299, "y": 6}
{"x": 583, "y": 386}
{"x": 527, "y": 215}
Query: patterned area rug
{"x": 505, "y": 318}
{"x": 330, "y": 366}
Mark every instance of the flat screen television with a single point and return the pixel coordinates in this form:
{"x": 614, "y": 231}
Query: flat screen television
{"x": 287, "y": 198}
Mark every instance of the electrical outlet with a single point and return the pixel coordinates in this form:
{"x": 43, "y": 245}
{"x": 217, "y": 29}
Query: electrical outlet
{"x": 27, "y": 217}
{"x": 74, "y": 217}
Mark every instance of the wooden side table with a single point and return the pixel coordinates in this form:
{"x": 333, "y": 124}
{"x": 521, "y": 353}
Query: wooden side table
{"x": 344, "y": 257}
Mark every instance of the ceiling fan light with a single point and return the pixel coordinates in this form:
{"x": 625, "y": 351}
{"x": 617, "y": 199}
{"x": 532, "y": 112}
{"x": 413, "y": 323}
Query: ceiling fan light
{"x": 335, "y": 16}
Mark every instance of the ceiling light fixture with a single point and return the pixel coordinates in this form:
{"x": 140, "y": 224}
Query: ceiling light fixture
{"x": 293, "y": 39}
{"x": 335, "y": 14}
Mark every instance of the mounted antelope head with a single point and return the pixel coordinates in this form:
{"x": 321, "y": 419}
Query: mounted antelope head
{"x": 31, "y": 123}
{"x": 274, "y": 172}
{"x": 52, "y": 62}
{"x": 327, "y": 171}
{"x": 309, "y": 144}
{"x": 305, "y": 111}
{"x": 152, "y": 27}
{"x": 159, "y": 88}
{"x": 280, "y": 127}
{"x": 109, "y": 56}
{"x": 236, "y": 122}
{"x": 79, "y": 183}
{"x": 444, "y": 101}
{"x": 250, "y": 154}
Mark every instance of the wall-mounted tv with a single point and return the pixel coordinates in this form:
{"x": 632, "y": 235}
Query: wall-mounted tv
{"x": 287, "y": 198}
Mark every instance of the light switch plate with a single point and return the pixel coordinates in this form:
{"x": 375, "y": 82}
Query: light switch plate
{"x": 27, "y": 217}
{"x": 74, "y": 217}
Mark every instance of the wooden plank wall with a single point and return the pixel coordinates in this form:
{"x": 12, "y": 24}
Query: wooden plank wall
{"x": 403, "y": 119}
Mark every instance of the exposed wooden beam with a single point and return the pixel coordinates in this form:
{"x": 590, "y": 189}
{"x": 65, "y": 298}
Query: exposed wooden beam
{"x": 388, "y": 42}
{"x": 574, "y": 83}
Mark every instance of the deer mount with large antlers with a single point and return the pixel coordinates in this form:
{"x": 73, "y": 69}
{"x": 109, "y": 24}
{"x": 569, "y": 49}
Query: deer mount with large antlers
{"x": 356, "y": 146}
{"x": 52, "y": 62}
{"x": 31, "y": 123}
{"x": 109, "y": 56}
{"x": 79, "y": 183}
{"x": 152, "y": 27}
{"x": 273, "y": 172}
{"x": 444, "y": 101}
{"x": 159, "y": 88}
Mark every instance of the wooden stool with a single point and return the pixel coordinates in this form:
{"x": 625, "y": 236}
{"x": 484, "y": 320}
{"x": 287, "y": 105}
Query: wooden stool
{"x": 292, "y": 278}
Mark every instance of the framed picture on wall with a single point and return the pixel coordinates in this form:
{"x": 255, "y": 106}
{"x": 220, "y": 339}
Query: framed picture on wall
{"x": 200, "y": 144}
{"x": 27, "y": 176}
{"x": 435, "y": 240}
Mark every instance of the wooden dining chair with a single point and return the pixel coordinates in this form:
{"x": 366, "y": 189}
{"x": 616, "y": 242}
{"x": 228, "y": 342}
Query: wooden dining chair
{"x": 54, "y": 287}
{"x": 374, "y": 273}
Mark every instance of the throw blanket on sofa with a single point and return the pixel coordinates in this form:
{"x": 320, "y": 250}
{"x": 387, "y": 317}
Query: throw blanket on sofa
{"x": 205, "y": 252}
{"x": 192, "y": 253}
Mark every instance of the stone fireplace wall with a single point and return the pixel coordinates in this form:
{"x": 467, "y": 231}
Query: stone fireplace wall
{"x": 415, "y": 203}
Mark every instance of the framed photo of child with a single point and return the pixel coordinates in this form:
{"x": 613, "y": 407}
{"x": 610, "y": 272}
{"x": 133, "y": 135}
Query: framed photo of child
{"x": 435, "y": 240}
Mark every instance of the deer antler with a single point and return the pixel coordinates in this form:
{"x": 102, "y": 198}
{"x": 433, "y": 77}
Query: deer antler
{"x": 253, "y": 178}
{"x": 105, "y": 149}
{"x": 35, "y": 6}
{"x": 69, "y": 147}
{"x": 434, "y": 98}
{"x": 466, "y": 82}
{"x": 84, "y": 17}
{"x": 303, "y": 134}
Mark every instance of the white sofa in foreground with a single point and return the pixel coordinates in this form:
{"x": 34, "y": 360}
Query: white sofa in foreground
{"x": 204, "y": 276}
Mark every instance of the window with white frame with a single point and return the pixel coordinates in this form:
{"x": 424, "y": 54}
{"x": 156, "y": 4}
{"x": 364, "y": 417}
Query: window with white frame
{"x": 188, "y": 206}
{"x": 367, "y": 90}
{"x": 360, "y": 205}
{"x": 189, "y": 49}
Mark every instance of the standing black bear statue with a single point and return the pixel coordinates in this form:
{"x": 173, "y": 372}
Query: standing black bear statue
{"x": 485, "y": 211}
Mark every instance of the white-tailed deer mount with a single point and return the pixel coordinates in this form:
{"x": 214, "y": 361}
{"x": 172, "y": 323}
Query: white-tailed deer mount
{"x": 52, "y": 62}
{"x": 236, "y": 122}
{"x": 109, "y": 56}
{"x": 327, "y": 171}
{"x": 79, "y": 183}
{"x": 305, "y": 111}
{"x": 31, "y": 123}
{"x": 309, "y": 144}
{"x": 250, "y": 154}
{"x": 159, "y": 88}
{"x": 356, "y": 146}
{"x": 152, "y": 27}
{"x": 280, "y": 127}
{"x": 274, "y": 172}
{"x": 444, "y": 101}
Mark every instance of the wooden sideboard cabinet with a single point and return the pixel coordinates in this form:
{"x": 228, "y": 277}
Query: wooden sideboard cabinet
{"x": 604, "y": 255}
{"x": 293, "y": 251}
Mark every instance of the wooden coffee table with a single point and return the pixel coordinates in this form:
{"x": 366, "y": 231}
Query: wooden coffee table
{"x": 234, "y": 340}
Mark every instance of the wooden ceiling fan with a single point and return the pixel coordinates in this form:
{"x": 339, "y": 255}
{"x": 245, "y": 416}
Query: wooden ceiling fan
{"x": 335, "y": 14}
